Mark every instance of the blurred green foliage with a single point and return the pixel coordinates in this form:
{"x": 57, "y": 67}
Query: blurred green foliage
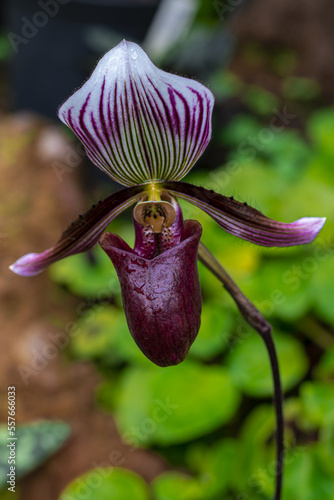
{"x": 5, "y": 47}
{"x": 107, "y": 483}
{"x": 211, "y": 417}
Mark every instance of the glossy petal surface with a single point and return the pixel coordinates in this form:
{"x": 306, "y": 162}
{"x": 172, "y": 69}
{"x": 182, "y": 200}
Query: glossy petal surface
{"x": 161, "y": 296}
{"x": 137, "y": 122}
{"x": 246, "y": 222}
{"x": 81, "y": 235}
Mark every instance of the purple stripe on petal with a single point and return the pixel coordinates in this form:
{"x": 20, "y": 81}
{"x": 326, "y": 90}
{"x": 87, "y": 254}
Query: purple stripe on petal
{"x": 187, "y": 123}
{"x": 246, "y": 222}
{"x": 137, "y": 122}
{"x": 82, "y": 234}
{"x": 166, "y": 131}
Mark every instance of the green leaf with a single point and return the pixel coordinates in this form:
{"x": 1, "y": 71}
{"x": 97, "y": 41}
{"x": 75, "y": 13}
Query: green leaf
{"x": 260, "y": 101}
{"x": 317, "y": 399}
{"x": 325, "y": 368}
{"x": 104, "y": 335}
{"x": 224, "y": 84}
{"x": 323, "y": 285}
{"x": 303, "y": 89}
{"x": 280, "y": 288}
{"x": 250, "y": 369}
{"x": 35, "y": 443}
{"x": 284, "y": 62}
{"x": 296, "y": 485}
{"x": 257, "y": 453}
{"x": 239, "y": 129}
{"x": 218, "y": 467}
{"x": 175, "y": 404}
{"x": 177, "y": 486}
{"x": 85, "y": 276}
{"x": 288, "y": 152}
{"x": 215, "y": 332}
{"x": 326, "y": 446}
{"x": 321, "y": 129}
{"x": 106, "y": 484}
{"x": 5, "y": 47}
{"x": 306, "y": 477}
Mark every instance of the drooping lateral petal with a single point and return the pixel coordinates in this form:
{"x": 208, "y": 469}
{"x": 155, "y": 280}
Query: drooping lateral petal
{"x": 82, "y": 234}
{"x": 137, "y": 122}
{"x": 247, "y": 222}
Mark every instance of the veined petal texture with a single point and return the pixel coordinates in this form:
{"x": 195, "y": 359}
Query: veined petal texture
{"x": 137, "y": 122}
{"x": 82, "y": 234}
{"x": 246, "y": 222}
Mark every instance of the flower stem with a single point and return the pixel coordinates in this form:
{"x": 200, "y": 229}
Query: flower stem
{"x": 255, "y": 319}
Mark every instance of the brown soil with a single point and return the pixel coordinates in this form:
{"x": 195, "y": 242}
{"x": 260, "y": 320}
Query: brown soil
{"x": 34, "y": 209}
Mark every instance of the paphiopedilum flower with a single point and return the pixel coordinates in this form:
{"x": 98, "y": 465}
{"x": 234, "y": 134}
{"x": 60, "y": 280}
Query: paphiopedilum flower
{"x": 146, "y": 128}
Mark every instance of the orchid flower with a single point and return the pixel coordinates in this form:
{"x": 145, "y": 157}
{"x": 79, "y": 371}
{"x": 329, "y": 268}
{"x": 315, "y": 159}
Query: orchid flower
{"x": 146, "y": 128}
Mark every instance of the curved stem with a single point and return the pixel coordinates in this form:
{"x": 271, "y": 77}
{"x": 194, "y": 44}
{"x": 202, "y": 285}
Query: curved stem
{"x": 255, "y": 319}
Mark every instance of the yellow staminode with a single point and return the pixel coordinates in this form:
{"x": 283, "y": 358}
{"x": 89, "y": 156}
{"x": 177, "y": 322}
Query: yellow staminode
{"x": 155, "y": 212}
